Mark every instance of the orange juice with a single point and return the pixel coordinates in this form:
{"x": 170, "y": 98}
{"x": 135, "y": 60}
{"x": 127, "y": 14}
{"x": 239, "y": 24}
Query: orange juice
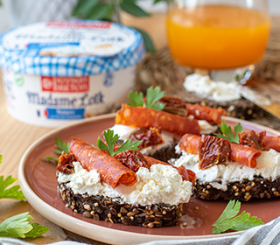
{"x": 217, "y": 36}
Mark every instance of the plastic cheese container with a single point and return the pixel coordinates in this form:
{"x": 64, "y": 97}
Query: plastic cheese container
{"x": 61, "y": 71}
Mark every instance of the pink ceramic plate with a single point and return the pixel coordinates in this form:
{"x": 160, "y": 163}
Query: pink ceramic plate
{"x": 38, "y": 182}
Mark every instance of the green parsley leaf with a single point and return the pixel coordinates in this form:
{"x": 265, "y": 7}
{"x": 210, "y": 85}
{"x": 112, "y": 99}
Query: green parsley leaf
{"x": 12, "y": 192}
{"x": 228, "y": 134}
{"x": 128, "y": 145}
{"x": 19, "y": 226}
{"x": 152, "y": 96}
{"x": 0, "y": 159}
{"x": 227, "y": 220}
{"x": 51, "y": 159}
{"x": 137, "y": 99}
{"x": 112, "y": 139}
{"x": 63, "y": 146}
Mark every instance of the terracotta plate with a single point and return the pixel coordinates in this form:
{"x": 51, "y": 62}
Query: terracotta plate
{"x": 38, "y": 182}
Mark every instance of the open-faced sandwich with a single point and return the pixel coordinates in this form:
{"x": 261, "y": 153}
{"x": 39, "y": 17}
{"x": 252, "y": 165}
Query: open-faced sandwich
{"x": 240, "y": 165}
{"x": 219, "y": 94}
{"x": 160, "y": 121}
{"x": 120, "y": 185}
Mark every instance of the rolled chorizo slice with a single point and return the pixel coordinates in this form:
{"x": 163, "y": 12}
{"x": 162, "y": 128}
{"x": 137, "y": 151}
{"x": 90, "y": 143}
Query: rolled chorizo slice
{"x": 238, "y": 153}
{"x": 190, "y": 143}
{"x": 111, "y": 171}
{"x": 259, "y": 140}
{"x": 143, "y": 117}
{"x": 245, "y": 155}
{"x": 211, "y": 115}
{"x": 271, "y": 142}
{"x": 186, "y": 174}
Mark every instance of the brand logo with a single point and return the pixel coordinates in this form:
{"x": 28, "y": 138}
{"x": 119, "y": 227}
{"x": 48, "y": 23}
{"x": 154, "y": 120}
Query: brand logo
{"x": 79, "y": 24}
{"x": 65, "y": 84}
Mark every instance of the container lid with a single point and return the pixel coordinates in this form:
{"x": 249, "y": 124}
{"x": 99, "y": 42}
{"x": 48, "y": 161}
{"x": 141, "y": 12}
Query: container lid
{"x": 70, "y": 48}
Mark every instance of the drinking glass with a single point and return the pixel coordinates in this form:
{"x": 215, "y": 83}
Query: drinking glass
{"x": 217, "y": 35}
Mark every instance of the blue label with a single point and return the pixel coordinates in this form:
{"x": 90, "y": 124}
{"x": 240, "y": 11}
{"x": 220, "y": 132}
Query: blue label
{"x": 47, "y": 45}
{"x": 64, "y": 114}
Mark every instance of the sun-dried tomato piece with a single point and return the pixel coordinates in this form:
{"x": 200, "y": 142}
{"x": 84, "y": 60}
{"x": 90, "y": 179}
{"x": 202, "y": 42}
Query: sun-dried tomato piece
{"x": 173, "y": 101}
{"x": 65, "y": 163}
{"x": 212, "y": 151}
{"x": 187, "y": 174}
{"x": 149, "y": 137}
{"x": 252, "y": 139}
{"x": 174, "y": 105}
{"x": 132, "y": 159}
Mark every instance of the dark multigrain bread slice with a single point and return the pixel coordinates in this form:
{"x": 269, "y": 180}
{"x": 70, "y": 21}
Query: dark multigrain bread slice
{"x": 243, "y": 191}
{"x": 114, "y": 211}
{"x": 166, "y": 153}
{"x": 240, "y": 108}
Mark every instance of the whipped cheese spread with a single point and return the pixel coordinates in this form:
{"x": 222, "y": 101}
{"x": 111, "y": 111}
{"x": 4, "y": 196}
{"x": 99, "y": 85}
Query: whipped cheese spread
{"x": 160, "y": 184}
{"x": 125, "y": 131}
{"x": 268, "y": 167}
{"x": 63, "y": 71}
{"x": 204, "y": 87}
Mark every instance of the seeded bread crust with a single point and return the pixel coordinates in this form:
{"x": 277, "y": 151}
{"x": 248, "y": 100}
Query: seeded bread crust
{"x": 166, "y": 153}
{"x": 114, "y": 211}
{"x": 246, "y": 190}
{"x": 240, "y": 108}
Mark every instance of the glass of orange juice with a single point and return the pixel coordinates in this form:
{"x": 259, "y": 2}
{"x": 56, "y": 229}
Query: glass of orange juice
{"x": 217, "y": 34}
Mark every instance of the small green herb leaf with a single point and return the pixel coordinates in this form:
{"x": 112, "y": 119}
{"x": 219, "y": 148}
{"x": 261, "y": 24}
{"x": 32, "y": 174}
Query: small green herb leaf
{"x": 51, "y": 159}
{"x": 131, "y": 8}
{"x": 0, "y": 159}
{"x": 128, "y": 145}
{"x": 37, "y": 230}
{"x": 159, "y": 1}
{"x": 84, "y": 8}
{"x": 12, "y": 192}
{"x": 137, "y": 99}
{"x": 101, "y": 11}
{"x": 63, "y": 146}
{"x": 153, "y": 95}
{"x": 228, "y": 134}
{"x": 148, "y": 42}
{"x": 227, "y": 220}
{"x": 19, "y": 226}
{"x": 111, "y": 140}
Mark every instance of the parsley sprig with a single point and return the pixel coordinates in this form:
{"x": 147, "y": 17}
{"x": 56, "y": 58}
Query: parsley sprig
{"x": 228, "y": 221}
{"x": 152, "y": 97}
{"x": 112, "y": 139}
{"x": 228, "y": 134}
{"x": 61, "y": 146}
{"x": 19, "y": 226}
{"x": 12, "y": 192}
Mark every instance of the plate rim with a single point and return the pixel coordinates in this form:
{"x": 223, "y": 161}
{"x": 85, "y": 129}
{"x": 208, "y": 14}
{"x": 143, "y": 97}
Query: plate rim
{"x": 84, "y": 228}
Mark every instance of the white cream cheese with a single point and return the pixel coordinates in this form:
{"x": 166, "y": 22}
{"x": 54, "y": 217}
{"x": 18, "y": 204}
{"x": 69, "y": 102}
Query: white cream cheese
{"x": 160, "y": 184}
{"x": 206, "y": 127}
{"x": 268, "y": 166}
{"x": 125, "y": 131}
{"x": 206, "y": 88}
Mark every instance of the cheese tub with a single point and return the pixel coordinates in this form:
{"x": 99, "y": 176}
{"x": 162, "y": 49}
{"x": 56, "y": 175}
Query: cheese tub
{"x": 61, "y": 71}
